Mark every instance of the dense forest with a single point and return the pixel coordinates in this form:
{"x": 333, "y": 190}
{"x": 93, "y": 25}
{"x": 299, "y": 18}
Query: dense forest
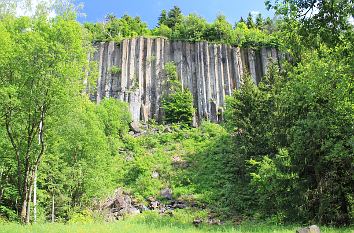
{"x": 283, "y": 154}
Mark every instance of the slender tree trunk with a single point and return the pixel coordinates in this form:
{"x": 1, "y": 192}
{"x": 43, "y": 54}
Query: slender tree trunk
{"x": 40, "y": 142}
{"x": 24, "y": 203}
{"x": 28, "y": 213}
{"x": 27, "y": 194}
{"x": 53, "y": 208}
{"x": 19, "y": 175}
{"x": 1, "y": 194}
{"x": 1, "y": 186}
{"x": 17, "y": 210}
{"x": 35, "y": 196}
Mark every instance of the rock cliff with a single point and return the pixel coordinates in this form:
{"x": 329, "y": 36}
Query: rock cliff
{"x": 132, "y": 71}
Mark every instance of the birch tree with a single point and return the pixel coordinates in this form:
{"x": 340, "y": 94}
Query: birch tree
{"x": 41, "y": 65}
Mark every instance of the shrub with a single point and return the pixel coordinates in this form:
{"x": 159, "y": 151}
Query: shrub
{"x": 177, "y": 103}
{"x": 178, "y": 107}
{"x": 115, "y": 70}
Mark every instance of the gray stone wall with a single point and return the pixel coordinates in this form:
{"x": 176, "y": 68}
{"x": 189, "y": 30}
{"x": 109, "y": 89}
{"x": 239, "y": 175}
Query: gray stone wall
{"x": 210, "y": 71}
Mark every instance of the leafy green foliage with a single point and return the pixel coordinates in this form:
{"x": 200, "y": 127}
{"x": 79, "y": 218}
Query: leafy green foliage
{"x": 42, "y": 69}
{"x": 294, "y": 138}
{"x": 115, "y": 70}
{"x": 174, "y": 25}
{"x": 84, "y": 143}
{"x": 177, "y": 103}
{"x": 172, "y": 18}
{"x": 284, "y": 153}
{"x": 190, "y": 28}
{"x": 250, "y": 22}
{"x": 320, "y": 20}
{"x": 317, "y": 106}
{"x": 49, "y": 129}
{"x": 175, "y": 156}
{"x": 178, "y": 107}
{"x": 115, "y": 29}
{"x": 275, "y": 183}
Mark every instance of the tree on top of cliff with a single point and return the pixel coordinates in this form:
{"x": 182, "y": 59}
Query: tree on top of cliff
{"x": 170, "y": 18}
{"x": 174, "y": 17}
{"x": 249, "y": 21}
{"x": 117, "y": 29}
{"x": 321, "y": 20}
{"x": 219, "y": 31}
{"x": 259, "y": 21}
{"x": 162, "y": 18}
{"x": 191, "y": 28}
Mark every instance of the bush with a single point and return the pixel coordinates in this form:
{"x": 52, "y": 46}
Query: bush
{"x": 115, "y": 70}
{"x": 85, "y": 216}
{"x": 177, "y": 103}
{"x": 274, "y": 182}
{"x": 178, "y": 108}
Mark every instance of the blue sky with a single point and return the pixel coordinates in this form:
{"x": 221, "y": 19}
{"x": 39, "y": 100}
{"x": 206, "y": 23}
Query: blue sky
{"x": 149, "y": 10}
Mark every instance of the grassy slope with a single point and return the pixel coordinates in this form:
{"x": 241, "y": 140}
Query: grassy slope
{"x": 202, "y": 149}
{"x": 156, "y": 153}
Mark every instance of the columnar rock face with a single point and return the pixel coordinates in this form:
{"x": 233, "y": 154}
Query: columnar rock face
{"x": 132, "y": 71}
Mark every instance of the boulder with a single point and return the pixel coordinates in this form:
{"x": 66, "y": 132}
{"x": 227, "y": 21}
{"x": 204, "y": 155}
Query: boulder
{"x": 176, "y": 159}
{"x": 120, "y": 204}
{"x": 178, "y": 162}
{"x": 155, "y": 174}
{"x": 135, "y": 127}
{"x": 168, "y": 129}
{"x": 166, "y": 193}
{"x": 154, "y": 205}
{"x": 179, "y": 205}
{"x": 129, "y": 158}
{"x": 197, "y": 222}
{"x": 133, "y": 211}
{"x": 310, "y": 229}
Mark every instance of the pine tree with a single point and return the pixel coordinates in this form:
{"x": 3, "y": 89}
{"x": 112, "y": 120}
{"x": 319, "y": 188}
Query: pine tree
{"x": 249, "y": 21}
{"x": 259, "y": 21}
{"x": 174, "y": 17}
{"x": 162, "y": 18}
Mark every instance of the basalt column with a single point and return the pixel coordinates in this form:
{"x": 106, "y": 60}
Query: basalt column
{"x": 132, "y": 71}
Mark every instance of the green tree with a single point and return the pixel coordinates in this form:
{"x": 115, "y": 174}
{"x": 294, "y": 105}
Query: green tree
{"x": 316, "y": 110}
{"x": 174, "y": 17}
{"x": 269, "y": 25}
{"x": 320, "y": 19}
{"x": 191, "y": 28}
{"x": 162, "y": 18}
{"x": 177, "y": 102}
{"x": 82, "y": 161}
{"x": 249, "y": 21}
{"x": 162, "y": 30}
{"x": 220, "y": 31}
{"x": 259, "y": 21}
{"x": 250, "y": 117}
{"x": 117, "y": 28}
{"x": 44, "y": 64}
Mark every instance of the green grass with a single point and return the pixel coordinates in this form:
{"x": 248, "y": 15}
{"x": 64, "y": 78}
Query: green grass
{"x": 133, "y": 227}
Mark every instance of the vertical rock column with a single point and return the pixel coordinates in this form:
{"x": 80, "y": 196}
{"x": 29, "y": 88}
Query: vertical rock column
{"x": 209, "y": 71}
{"x": 214, "y": 85}
{"x": 146, "y": 94}
{"x": 124, "y": 70}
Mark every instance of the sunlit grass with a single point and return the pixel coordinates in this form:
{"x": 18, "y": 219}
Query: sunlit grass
{"x": 133, "y": 227}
